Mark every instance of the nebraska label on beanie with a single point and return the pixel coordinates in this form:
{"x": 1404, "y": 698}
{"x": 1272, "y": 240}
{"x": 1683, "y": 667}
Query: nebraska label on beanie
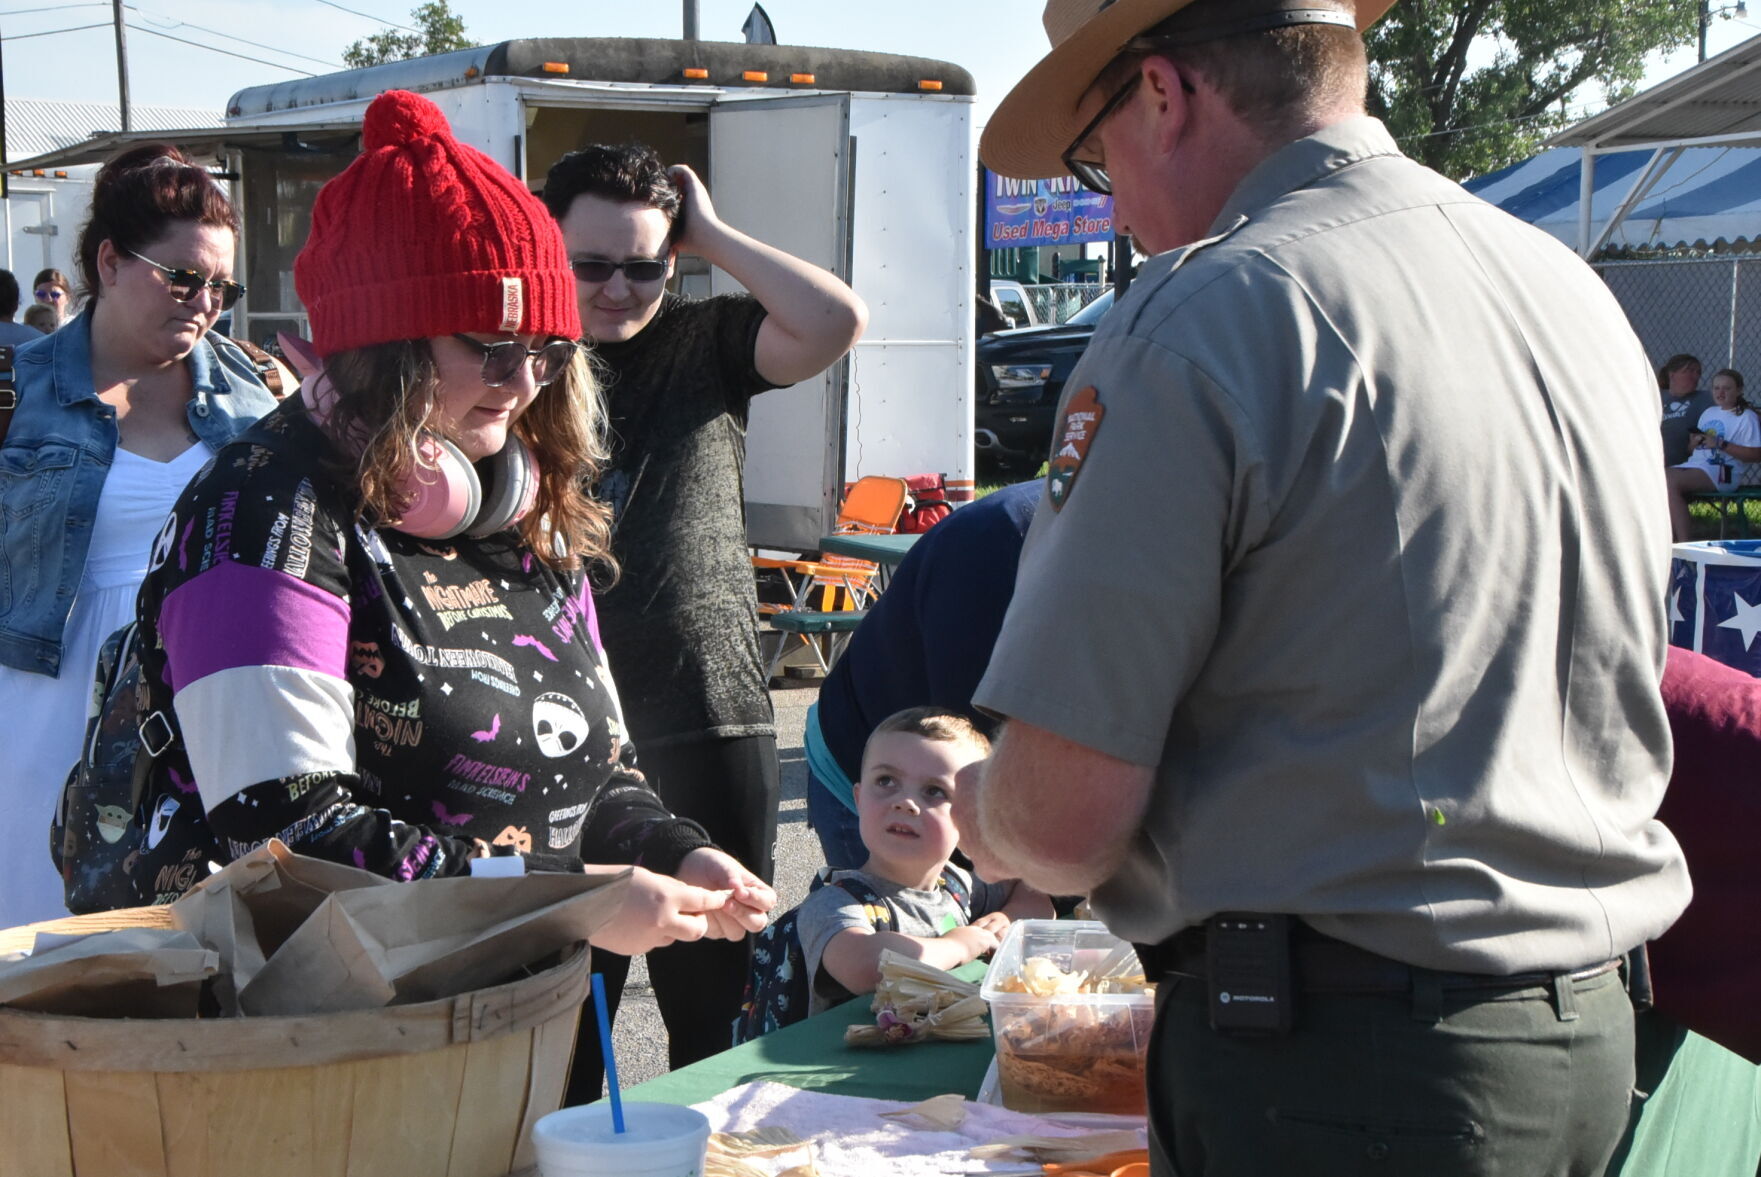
{"x": 423, "y": 236}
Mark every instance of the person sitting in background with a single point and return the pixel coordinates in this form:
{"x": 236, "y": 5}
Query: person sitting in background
{"x": 39, "y": 318}
{"x": 12, "y": 334}
{"x": 911, "y": 770}
{"x": 1683, "y": 402}
{"x": 52, "y": 289}
{"x": 1726, "y": 436}
{"x": 116, "y": 412}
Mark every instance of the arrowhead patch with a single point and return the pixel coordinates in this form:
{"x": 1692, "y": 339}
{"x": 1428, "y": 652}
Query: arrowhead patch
{"x": 1076, "y": 432}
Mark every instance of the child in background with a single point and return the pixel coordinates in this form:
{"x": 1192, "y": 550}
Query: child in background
{"x": 41, "y": 317}
{"x": 911, "y": 767}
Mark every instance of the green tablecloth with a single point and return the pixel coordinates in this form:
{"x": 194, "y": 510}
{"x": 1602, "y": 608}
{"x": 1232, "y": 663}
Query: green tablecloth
{"x": 1701, "y": 1118}
{"x": 885, "y": 550}
{"x": 811, "y": 1055}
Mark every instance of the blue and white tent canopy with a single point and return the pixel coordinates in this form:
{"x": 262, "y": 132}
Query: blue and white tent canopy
{"x": 1710, "y": 192}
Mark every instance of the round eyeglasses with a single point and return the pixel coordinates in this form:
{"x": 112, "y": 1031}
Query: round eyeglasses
{"x": 502, "y": 360}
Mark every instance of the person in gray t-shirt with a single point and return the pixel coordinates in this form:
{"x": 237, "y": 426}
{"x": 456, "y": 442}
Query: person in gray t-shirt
{"x": 1683, "y": 402}
{"x": 910, "y": 770}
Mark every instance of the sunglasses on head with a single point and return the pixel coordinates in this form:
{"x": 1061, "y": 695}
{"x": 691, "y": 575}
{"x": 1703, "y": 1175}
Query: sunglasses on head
{"x": 502, "y": 360}
{"x": 184, "y": 285}
{"x": 54, "y": 292}
{"x": 599, "y": 270}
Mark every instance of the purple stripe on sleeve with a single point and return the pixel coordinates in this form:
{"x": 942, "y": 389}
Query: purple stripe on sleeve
{"x": 237, "y": 614}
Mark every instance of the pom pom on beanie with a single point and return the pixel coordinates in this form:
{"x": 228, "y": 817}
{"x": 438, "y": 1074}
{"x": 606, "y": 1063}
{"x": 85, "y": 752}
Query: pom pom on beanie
{"x": 423, "y": 236}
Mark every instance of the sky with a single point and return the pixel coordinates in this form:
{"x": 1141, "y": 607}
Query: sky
{"x": 996, "y": 40}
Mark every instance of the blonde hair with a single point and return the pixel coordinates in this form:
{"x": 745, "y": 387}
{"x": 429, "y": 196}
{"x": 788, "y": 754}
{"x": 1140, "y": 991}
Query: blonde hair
{"x": 933, "y": 723}
{"x": 386, "y": 395}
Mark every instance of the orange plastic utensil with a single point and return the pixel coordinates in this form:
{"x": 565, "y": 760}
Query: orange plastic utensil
{"x": 1130, "y": 1162}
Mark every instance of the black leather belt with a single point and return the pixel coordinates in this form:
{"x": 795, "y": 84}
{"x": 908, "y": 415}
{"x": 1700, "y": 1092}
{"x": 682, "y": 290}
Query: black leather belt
{"x": 1325, "y": 965}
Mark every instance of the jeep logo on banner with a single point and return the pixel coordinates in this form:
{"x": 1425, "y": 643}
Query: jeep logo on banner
{"x": 1019, "y": 213}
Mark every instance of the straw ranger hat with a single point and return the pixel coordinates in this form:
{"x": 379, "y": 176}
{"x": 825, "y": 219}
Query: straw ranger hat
{"x": 1035, "y": 123}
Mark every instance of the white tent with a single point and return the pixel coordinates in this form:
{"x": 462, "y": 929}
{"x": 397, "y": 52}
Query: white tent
{"x": 1709, "y": 193}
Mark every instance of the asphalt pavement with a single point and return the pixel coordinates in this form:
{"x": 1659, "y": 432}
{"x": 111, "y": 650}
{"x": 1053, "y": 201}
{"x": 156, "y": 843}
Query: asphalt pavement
{"x": 639, "y": 1037}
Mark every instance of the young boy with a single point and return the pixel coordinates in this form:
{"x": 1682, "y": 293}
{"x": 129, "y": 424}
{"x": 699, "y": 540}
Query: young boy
{"x": 911, "y": 767}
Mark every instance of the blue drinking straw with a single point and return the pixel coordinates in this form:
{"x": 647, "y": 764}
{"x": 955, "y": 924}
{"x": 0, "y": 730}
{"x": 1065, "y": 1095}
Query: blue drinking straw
{"x": 611, "y": 1062}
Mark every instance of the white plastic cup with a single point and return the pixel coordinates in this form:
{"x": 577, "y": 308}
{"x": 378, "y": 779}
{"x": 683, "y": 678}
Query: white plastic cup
{"x": 659, "y": 1140}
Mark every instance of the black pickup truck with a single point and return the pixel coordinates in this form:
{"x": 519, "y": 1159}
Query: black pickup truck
{"x": 1021, "y": 374}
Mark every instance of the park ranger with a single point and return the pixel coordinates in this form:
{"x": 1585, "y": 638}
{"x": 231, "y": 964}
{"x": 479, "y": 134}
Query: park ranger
{"x": 1332, "y": 667}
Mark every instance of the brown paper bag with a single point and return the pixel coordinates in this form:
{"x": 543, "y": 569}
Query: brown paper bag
{"x": 419, "y": 941}
{"x": 134, "y": 973}
{"x": 249, "y": 909}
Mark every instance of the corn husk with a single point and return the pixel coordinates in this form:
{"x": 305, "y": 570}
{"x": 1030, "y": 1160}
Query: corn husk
{"x": 943, "y": 1113}
{"x": 914, "y": 1002}
{"x": 731, "y": 1154}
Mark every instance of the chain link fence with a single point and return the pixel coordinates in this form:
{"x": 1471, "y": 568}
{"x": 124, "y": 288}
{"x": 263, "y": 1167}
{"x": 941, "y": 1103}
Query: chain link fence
{"x": 1709, "y": 307}
{"x": 1055, "y": 302}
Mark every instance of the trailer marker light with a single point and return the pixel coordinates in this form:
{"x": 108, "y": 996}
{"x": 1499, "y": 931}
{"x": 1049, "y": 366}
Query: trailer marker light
{"x": 801, "y": 79}
{"x": 60, "y": 175}
{"x": 37, "y": 172}
{"x": 929, "y": 84}
{"x": 555, "y": 67}
{"x": 697, "y": 73}
{"x": 755, "y": 75}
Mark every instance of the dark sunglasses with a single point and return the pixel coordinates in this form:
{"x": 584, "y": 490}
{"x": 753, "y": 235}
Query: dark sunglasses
{"x": 184, "y": 285}
{"x": 1090, "y": 175}
{"x": 52, "y": 292}
{"x": 598, "y": 270}
{"x": 502, "y": 360}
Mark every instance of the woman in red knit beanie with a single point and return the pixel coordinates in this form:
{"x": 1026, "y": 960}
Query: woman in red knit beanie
{"x": 372, "y": 612}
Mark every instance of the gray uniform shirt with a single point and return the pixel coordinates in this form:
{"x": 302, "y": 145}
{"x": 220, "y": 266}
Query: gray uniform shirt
{"x": 832, "y": 909}
{"x": 1367, "y": 558}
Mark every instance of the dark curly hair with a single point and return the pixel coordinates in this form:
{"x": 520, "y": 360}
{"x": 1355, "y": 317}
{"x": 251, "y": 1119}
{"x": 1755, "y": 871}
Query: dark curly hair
{"x": 138, "y": 196}
{"x": 629, "y": 173}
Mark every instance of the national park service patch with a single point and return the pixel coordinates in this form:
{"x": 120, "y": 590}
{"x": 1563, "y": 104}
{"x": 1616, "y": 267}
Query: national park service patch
{"x": 1076, "y": 432}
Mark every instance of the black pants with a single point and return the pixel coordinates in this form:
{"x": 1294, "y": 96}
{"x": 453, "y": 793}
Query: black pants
{"x": 1489, "y": 1084}
{"x": 730, "y": 787}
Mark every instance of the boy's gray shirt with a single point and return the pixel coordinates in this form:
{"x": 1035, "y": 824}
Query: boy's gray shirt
{"x": 831, "y": 909}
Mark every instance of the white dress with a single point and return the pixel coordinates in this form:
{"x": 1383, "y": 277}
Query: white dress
{"x": 45, "y": 718}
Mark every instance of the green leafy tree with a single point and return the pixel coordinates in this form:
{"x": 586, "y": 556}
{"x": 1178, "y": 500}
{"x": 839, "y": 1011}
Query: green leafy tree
{"x": 1468, "y": 86}
{"x": 442, "y": 31}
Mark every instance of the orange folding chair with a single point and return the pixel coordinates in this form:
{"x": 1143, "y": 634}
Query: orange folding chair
{"x": 820, "y": 589}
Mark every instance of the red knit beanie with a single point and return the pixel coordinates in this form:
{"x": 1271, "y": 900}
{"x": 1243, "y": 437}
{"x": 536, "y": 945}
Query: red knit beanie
{"x": 423, "y": 236}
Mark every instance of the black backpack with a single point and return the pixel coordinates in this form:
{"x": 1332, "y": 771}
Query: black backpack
{"x": 128, "y": 831}
{"x": 778, "y": 991}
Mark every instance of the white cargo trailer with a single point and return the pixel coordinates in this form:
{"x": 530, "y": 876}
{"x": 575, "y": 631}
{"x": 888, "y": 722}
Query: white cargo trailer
{"x": 858, "y": 162}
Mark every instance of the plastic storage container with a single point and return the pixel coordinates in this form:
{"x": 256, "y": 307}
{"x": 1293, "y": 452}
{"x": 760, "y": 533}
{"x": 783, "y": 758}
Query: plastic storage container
{"x": 1069, "y": 1051}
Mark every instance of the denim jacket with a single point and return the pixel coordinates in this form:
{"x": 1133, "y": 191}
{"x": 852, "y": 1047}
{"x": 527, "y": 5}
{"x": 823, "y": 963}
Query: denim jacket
{"x": 53, "y": 464}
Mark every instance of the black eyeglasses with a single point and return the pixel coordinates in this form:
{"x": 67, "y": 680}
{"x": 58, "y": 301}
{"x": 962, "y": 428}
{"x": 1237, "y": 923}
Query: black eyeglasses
{"x": 1091, "y": 175}
{"x": 184, "y": 285}
{"x": 502, "y": 360}
{"x": 53, "y": 292}
{"x": 599, "y": 270}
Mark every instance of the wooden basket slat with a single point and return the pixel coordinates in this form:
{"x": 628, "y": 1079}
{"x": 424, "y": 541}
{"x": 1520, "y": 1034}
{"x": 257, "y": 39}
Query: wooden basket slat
{"x": 403, "y": 1114}
{"x": 113, "y": 1124}
{"x": 33, "y": 1115}
{"x": 492, "y": 1099}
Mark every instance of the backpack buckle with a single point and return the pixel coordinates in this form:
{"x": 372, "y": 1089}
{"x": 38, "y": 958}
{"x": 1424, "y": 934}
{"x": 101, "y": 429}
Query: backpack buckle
{"x": 157, "y": 734}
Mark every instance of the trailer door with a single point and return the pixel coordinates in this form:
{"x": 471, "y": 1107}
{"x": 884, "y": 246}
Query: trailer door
{"x": 779, "y": 169}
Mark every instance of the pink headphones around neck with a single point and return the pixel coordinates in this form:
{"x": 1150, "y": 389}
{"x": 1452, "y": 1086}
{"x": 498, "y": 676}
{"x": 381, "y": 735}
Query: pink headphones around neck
{"x": 447, "y": 495}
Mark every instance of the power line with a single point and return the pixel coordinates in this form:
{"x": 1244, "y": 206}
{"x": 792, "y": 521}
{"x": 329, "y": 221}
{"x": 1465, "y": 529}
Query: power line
{"x": 53, "y": 32}
{"x": 368, "y": 16}
{"x": 216, "y": 49}
{"x": 175, "y": 23}
{"x": 53, "y": 8}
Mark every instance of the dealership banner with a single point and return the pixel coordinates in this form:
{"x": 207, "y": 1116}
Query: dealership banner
{"x": 1020, "y": 213}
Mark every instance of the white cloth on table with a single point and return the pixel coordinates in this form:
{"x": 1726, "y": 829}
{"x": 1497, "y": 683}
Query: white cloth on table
{"x": 852, "y": 1140}
{"x": 46, "y": 717}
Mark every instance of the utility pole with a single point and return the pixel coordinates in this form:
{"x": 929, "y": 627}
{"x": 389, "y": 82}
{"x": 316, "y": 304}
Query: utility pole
{"x": 691, "y": 19}
{"x": 1705, "y": 19}
{"x": 122, "y": 61}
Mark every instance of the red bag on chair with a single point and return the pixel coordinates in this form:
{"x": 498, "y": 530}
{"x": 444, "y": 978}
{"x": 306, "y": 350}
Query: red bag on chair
{"x": 926, "y": 503}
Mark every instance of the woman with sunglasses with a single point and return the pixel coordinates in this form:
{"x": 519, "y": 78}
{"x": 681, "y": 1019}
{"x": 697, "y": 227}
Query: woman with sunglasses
{"x": 373, "y": 620}
{"x": 51, "y": 289}
{"x": 116, "y": 411}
